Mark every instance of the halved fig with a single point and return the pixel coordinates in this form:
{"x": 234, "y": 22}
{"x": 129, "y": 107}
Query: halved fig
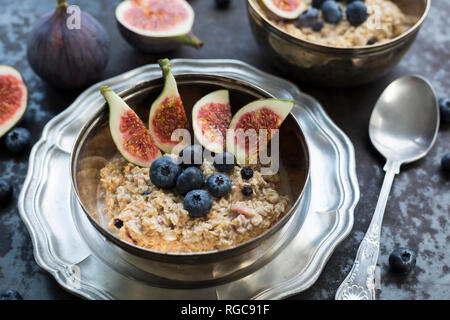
{"x": 286, "y": 9}
{"x": 211, "y": 116}
{"x": 157, "y": 25}
{"x": 265, "y": 114}
{"x": 13, "y": 98}
{"x": 167, "y": 112}
{"x": 129, "y": 133}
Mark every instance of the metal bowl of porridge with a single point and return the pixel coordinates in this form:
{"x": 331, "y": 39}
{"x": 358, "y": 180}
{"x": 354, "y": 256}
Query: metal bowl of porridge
{"x": 343, "y": 65}
{"x": 94, "y": 148}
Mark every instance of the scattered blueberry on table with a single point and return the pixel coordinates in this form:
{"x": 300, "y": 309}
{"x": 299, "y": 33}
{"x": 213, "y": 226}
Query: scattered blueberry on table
{"x": 332, "y": 12}
{"x": 11, "y": 295}
{"x": 190, "y": 179}
{"x": 6, "y": 191}
{"x": 198, "y": 203}
{"x": 224, "y": 162}
{"x": 219, "y": 185}
{"x": 18, "y": 140}
{"x": 444, "y": 107}
{"x": 445, "y": 162}
{"x": 164, "y": 172}
{"x": 402, "y": 260}
{"x": 357, "y": 13}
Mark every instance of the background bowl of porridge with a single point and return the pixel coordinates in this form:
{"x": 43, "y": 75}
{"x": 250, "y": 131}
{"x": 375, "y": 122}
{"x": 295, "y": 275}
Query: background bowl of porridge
{"x": 340, "y": 57}
{"x": 94, "y": 149}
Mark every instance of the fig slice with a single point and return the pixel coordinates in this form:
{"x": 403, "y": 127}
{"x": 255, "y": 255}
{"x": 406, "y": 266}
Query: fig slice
{"x": 167, "y": 112}
{"x": 157, "y": 25}
{"x": 211, "y": 116}
{"x": 286, "y": 9}
{"x": 13, "y": 98}
{"x": 265, "y": 114}
{"x": 129, "y": 133}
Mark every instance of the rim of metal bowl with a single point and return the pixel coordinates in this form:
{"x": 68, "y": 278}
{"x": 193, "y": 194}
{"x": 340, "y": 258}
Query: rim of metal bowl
{"x": 189, "y": 257}
{"x": 253, "y": 11}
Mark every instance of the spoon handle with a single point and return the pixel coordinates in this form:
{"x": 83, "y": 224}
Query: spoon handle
{"x": 360, "y": 282}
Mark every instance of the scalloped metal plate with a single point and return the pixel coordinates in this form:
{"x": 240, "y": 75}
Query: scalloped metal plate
{"x": 61, "y": 249}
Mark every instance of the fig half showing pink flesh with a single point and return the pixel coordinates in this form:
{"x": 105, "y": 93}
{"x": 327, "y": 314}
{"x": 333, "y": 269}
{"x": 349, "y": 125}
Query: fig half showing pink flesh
{"x": 128, "y": 132}
{"x": 13, "y": 98}
{"x": 286, "y": 9}
{"x": 167, "y": 112}
{"x": 157, "y": 25}
{"x": 211, "y": 116}
{"x": 265, "y": 114}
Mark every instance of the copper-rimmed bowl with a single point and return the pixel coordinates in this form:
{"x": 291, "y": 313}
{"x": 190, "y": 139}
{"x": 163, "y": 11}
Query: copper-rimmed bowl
{"x": 328, "y": 66}
{"x": 94, "y": 147}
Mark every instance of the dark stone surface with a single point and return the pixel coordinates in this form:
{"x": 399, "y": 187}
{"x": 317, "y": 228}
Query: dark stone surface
{"x": 418, "y": 211}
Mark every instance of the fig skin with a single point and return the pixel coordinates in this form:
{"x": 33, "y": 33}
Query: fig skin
{"x": 68, "y": 58}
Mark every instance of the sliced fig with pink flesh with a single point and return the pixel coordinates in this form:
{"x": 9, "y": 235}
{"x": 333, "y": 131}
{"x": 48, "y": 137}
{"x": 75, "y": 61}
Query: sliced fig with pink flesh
{"x": 286, "y": 9}
{"x": 167, "y": 112}
{"x": 13, "y": 98}
{"x": 129, "y": 133}
{"x": 265, "y": 114}
{"x": 157, "y": 25}
{"x": 211, "y": 116}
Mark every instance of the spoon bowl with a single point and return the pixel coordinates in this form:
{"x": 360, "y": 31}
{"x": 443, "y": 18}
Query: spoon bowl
{"x": 404, "y": 122}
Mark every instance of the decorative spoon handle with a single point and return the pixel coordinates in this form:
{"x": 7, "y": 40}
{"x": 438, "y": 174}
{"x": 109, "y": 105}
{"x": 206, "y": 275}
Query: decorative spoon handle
{"x": 360, "y": 282}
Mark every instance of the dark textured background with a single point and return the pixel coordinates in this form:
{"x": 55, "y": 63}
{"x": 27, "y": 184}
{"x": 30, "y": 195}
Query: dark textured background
{"x": 417, "y": 215}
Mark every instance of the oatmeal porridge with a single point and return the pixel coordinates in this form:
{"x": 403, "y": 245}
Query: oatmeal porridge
{"x": 385, "y": 21}
{"x": 155, "y": 218}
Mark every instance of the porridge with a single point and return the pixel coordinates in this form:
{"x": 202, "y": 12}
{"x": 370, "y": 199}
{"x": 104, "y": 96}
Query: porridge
{"x": 154, "y": 218}
{"x": 384, "y": 21}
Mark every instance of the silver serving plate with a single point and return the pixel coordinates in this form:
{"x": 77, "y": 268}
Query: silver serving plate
{"x": 85, "y": 263}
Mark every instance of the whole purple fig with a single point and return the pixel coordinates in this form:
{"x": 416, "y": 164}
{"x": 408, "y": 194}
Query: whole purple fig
{"x": 68, "y": 48}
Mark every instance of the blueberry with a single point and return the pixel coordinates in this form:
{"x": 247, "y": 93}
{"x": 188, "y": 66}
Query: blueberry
{"x": 357, "y": 13}
{"x": 350, "y": 1}
{"x": 164, "y": 172}
{"x": 224, "y": 162}
{"x": 192, "y": 156}
{"x": 402, "y": 260}
{"x": 18, "y": 140}
{"x": 317, "y": 26}
{"x": 247, "y": 190}
{"x": 308, "y": 18}
{"x": 6, "y": 191}
{"x": 246, "y": 173}
{"x": 11, "y": 295}
{"x": 219, "y": 185}
{"x": 198, "y": 203}
{"x": 118, "y": 223}
{"x": 222, "y": 3}
{"x": 371, "y": 41}
{"x": 445, "y": 162}
{"x": 317, "y": 3}
{"x": 146, "y": 193}
{"x": 332, "y": 12}
{"x": 190, "y": 179}
{"x": 444, "y": 106}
